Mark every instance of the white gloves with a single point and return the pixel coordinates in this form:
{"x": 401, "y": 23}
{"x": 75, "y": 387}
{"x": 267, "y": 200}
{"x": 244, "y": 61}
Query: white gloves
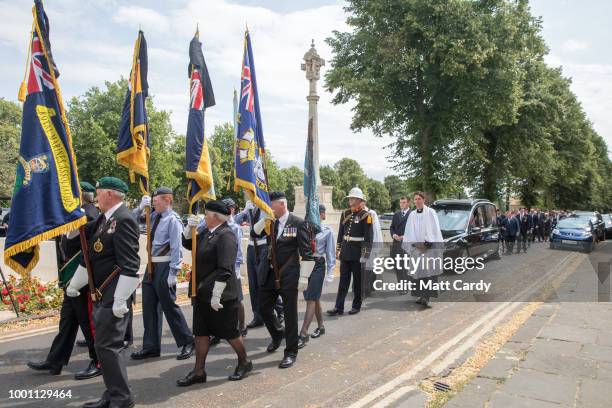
{"x": 215, "y": 300}
{"x": 145, "y": 201}
{"x": 125, "y": 287}
{"x": 259, "y": 226}
{"x": 171, "y": 279}
{"x": 192, "y": 222}
{"x": 302, "y": 283}
{"x": 249, "y": 206}
{"x": 79, "y": 279}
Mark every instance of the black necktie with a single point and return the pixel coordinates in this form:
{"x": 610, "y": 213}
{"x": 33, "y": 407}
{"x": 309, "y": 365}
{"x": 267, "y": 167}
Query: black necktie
{"x": 155, "y": 224}
{"x": 276, "y": 227}
{"x": 101, "y": 223}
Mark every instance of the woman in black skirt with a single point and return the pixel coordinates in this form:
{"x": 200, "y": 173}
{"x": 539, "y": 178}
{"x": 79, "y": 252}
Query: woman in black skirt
{"x": 215, "y": 307}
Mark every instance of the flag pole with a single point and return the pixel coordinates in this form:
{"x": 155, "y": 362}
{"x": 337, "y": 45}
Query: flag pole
{"x": 9, "y": 292}
{"x": 194, "y": 234}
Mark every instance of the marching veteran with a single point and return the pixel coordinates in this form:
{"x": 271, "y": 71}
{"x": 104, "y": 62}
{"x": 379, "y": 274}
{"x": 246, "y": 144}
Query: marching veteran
{"x": 159, "y": 288}
{"x": 113, "y": 254}
{"x": 216, "y": 304}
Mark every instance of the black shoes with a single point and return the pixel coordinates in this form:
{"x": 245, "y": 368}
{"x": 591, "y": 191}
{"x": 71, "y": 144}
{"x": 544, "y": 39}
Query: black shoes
{"x": 353, "y": 311}
{"x": 45, "y": 365}
{"x": 191, "y": 379}
{"x": 101, "y": 403}
{"x": 255, "y": 323}
{"x": 319, "y": 331}
{"x": 244, "y": 332}
{"x": 302, "y": 340}
{"x": 142, "y": 354}
{"x": 186, "y": 351}
{"x": 274, "y": 345}
{"x": 93, "y": 370}
{"x": 424, "y": 301}
{"x": 214, "y": 340}
{"x": 335, "y": 312}
{"x": 241, "y": 371}
{"x": 287, "y": 362}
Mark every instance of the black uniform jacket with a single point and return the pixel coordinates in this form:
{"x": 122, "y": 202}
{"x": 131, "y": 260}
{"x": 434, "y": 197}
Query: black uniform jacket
{"x": 111, "y": 243}
{"x": 215, "y": 261}
{"x": 398, "y": 224}
{"x": 355, "y": 224}
{"x": 293, "y": 243}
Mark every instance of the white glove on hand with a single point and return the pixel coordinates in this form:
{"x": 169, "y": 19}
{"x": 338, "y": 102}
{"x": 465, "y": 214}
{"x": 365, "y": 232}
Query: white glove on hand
{"x": 79, "y": 279}
{"x": 125, "y": 287}
{"x": 215, "y": 300}
{"x": 171, "y": 280}
{"x": 259, "y": 226}
{"x": 145, "y": 201}
{"x": 192, "y": 222}
{"x": 249, "y": 206}
{"x": 302, "y": 283}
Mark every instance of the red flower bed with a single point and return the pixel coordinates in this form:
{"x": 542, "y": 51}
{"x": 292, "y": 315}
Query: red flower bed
{"x": 31, "y": 295}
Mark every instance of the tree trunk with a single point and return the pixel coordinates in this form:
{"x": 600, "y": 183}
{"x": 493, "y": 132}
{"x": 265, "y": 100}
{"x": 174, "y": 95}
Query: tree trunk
{"x": 489, "y": 176}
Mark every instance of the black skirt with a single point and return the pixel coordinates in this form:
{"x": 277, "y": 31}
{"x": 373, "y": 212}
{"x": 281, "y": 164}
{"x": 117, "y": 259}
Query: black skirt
{"x": 223, "y": 324}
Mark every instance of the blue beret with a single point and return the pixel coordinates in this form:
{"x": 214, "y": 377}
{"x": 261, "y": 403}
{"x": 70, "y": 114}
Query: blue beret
{"x": 162, "y": 190}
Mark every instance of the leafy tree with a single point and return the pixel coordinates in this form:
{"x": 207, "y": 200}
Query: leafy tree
{"x": 378, "y": 196}
{"x": 10, "y": 132}
{"x": 94, "y": 120}
{"x": 293, "y": 176}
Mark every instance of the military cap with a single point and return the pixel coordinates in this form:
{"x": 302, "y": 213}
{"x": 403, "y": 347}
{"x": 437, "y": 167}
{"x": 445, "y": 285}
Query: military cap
{"x": 322, "y": 208}
{"x": 277, "y": 195}
{"x": 112, "y": 183}
{"x": 218, "y": 207}
{"x": 87, "y": 187}
{"x": 162, "y": 190}
{"x": 229, "y": 202}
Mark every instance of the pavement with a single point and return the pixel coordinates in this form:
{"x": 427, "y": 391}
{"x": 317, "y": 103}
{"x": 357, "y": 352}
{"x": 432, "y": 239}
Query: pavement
{"x": 375, "y": 358}
{"x": 561, "y": 356}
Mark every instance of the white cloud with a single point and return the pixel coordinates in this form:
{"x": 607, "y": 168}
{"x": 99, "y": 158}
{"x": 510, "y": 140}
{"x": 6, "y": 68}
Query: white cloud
{"x": 146, "y": 18}
{"x": 575, "y": 45}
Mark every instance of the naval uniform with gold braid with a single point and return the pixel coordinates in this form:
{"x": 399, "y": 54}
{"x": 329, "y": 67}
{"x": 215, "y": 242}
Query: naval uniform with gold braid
{"x": 354, "y": 243}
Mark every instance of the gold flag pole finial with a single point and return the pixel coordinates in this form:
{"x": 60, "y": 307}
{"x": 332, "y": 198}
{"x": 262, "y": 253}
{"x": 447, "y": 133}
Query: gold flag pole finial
{"x": 197, "y": 33}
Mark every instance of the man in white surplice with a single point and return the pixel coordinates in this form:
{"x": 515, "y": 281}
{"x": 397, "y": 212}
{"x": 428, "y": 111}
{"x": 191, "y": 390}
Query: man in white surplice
{"x": 423, "y": 238}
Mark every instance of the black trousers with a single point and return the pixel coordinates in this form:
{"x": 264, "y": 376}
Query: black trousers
{"x": 510, "y": 245}
{"x": 422, "y": 290}
{"x": 522, "y": 241}
{"x": 348, "y": 269}
{"x": 110, "y": 334}
{"x": 158, "y": 299}
{"x": 73, "y": 314}
{"x": 268, "y": 297}
{"x": 254, "y": 284}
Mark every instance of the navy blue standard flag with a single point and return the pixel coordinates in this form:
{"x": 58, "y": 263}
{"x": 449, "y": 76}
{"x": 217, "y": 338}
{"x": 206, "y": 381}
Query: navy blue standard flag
{"x": 47, "y": 198}
{"x": 250, "y": 154}
{"x": 197, "y": 159}
{"x": 134, "y": 145}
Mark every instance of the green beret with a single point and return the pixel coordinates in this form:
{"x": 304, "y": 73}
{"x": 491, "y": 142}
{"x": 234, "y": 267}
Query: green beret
{"x": 112, "y": 183}
{"x": 87, "y": 188}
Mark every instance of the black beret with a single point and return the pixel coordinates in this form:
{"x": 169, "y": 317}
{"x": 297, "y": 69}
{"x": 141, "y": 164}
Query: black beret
{"x": 322, "y": 208}
{"x": 218, "y": 207}
{"x": 229, "y": 202}
{"x": 162, "y": 190}
{"x": 277, "y": 195}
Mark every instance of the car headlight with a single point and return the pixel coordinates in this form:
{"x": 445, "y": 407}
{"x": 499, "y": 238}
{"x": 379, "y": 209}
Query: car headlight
{"x": 555, "y": 231}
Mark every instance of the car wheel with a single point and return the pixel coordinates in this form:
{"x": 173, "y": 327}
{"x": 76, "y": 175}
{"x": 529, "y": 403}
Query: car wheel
{"x": 462, "y": 254}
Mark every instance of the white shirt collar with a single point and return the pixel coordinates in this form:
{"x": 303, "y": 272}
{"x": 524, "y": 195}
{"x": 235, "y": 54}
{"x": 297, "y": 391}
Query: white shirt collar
{"x": 213, "y": 229}
{"x": 283, "y": 219}
{"x": 109, "y": 213}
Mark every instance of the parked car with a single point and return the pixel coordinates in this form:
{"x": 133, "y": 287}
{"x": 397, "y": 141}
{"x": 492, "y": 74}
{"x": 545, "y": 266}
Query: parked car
{"x": 608, "y": 220}
{"x": 385, "y": 221}
{"x": 596, "y": 219}
{"x": 573, "y": 232}
{"x": 469, "y": 228}
{"x": 3, "y": 213}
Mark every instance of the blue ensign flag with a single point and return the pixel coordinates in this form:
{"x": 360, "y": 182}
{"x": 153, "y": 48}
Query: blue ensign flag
{"x": 197, "y": 159}
{"x": 46, "y": 198}
{"x": 250, "y": 156}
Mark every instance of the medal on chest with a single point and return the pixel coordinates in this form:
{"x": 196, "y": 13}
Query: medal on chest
{"x": 112, "y": 227}
{"x": 98, "y": 246}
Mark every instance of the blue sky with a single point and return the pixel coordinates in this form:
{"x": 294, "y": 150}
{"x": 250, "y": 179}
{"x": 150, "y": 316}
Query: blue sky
{"x": 93, "y": 41}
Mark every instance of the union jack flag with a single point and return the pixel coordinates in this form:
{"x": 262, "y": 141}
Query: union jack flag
{"x": 247, "y": 89}
{"x": 38, "y": 74}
